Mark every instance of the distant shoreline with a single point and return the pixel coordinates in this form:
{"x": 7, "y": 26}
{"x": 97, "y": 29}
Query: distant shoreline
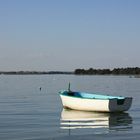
{"x": 33, "y": 72}
{"x": 116, "y": 71}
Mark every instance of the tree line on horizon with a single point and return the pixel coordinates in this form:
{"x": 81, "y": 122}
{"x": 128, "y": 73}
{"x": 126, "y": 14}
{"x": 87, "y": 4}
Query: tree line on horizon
{"x": 115, "y": 71}
{"x": 33, "y": 72}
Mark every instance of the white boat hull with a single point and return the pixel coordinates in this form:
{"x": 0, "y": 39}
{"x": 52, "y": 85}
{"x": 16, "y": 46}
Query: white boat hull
{"x": 99, "y": 105}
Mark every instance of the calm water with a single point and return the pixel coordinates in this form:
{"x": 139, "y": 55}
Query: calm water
{"x": 26, "y": 112}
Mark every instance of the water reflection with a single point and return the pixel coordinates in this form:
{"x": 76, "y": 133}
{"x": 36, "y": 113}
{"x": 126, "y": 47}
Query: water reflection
{"x": 72, "y": 119}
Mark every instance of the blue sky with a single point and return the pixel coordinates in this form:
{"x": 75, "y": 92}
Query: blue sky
{"x": 69, "y": 34}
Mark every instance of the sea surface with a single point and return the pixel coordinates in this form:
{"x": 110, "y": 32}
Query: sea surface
{"x": 31, "y": 109}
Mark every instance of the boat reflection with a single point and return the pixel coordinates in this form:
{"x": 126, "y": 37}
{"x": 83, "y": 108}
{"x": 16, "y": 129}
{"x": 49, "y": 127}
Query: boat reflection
{"x": 72, "y": 119}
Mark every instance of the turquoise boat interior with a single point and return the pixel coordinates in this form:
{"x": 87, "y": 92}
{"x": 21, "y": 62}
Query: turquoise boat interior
{"x": 89, "y": 95}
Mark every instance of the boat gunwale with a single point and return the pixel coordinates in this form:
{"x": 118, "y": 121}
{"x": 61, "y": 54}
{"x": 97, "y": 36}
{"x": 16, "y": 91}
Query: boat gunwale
{"x": 94, "y": 98}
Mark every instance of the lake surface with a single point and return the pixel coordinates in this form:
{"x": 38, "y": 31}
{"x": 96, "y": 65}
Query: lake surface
{"x": 28, "y": 113}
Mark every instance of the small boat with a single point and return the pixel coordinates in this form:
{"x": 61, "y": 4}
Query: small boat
{"x": 94, "y": 102}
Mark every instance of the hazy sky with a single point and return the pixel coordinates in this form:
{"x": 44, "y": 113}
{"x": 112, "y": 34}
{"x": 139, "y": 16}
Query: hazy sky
{"x": 69, "y": 34}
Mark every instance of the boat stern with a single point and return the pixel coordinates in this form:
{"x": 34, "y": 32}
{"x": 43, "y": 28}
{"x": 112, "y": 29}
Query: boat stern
{"x": 120, "y": 105}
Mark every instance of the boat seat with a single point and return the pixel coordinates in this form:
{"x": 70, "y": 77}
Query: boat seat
{"x": 70, "y": 93}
